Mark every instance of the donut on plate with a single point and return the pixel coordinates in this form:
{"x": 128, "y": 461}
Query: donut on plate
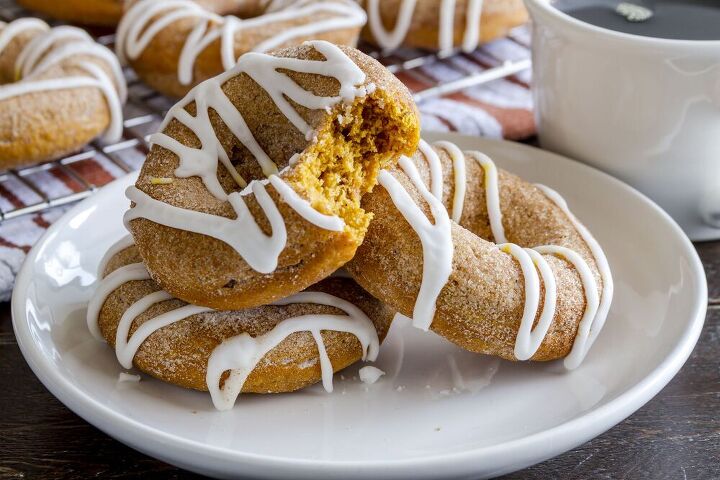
{"x": 58, "y": 91}
{"x": 174, "y": 45}
{"x": 252, "y": 189}
{"x": 442, "y": 25}
{"x": 282, "y": 347}
{"x": 438, "y": 251}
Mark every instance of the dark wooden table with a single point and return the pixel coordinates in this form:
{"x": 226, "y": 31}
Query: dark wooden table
{"x": 676, "y": 435}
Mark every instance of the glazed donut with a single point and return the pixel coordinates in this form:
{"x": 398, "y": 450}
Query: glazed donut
{"x": 282, "y": 347}
{"x": 109, "y": 12}
{"x": 176, "y": 44}
{"x": 88, "y": 12}
{"x": 442, "y": 25}
{"x": 252, "y": 191}
{"x": 543, "y": 297}
{"x": 58, "y": 91}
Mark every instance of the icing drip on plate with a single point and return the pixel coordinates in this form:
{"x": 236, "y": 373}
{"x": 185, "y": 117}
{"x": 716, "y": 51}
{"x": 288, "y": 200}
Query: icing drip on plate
{"x": 242, "y": 233}
{"x": 239, "y": 354}
{"x": 148, "y": 18}
{"x": 390, "y": 40}
{"x": 535, "y": 268}
{"x": 64, "y": 46}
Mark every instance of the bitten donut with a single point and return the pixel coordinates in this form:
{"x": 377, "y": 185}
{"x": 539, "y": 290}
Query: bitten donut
{"x": 252, "y": 191}
{"x": 174, "y": 45}
{"x": 282, "y": 347}
{"x": 442, "y": 25}
{"x": 543, "y": 297}
{"x": 59, "y": 90}
{"x": 109, "y": 12}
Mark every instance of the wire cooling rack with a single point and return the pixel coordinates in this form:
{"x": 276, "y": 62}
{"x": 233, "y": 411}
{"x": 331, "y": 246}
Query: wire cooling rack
{"x": 146, "y": 108}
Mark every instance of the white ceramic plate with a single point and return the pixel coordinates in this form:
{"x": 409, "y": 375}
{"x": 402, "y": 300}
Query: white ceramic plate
{"x": 438, "y": 413}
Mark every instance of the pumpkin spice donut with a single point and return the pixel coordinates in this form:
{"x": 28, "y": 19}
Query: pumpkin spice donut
{"x": 543, "y": 297}
{"x": 174, "y": 45}
{"x": 109, "y": 12}
{"x": 58, "y": 91}
{"x": 252, "y": 189}
{"x": 282, "y": 347}
{"x": 442, "y": 25}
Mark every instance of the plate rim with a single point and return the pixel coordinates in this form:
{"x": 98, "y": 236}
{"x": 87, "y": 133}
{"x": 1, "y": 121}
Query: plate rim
{"x": 538, "y": 446}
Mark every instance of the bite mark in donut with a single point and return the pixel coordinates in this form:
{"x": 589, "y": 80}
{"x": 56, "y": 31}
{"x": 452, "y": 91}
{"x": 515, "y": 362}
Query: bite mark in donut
{"x": 341, "y": 117}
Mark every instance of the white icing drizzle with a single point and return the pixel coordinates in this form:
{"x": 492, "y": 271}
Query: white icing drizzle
{"x": 304, "y": 209}
{"x": 436, "y": 174}
{"x": 128, "y": 273}
{"x": 528, "y": 340}
{"x": 459, "y": 180}
{"x": 240, "y": 354}
{"x": 532, "y": 263}
{"x": 492, "y": 195}
{"x": 532, "y": 291}
{"x": 390, "y": 40}
{"x": 63, "y": 45}
{"x": 117, "y": 247}
{"x": 595, "y": 314}
{"x": 586, "y": 337}
{"x": 242, "y": 233}
{"x": 436, "y": 239}
{"x": 148, "y": 18}
{"x": 592, "y": 301}
{"x": 9, "y": 31}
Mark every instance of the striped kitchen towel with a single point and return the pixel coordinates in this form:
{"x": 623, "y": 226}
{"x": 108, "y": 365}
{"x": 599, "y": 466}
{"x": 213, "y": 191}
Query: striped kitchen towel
{"x": 499, "y": 109}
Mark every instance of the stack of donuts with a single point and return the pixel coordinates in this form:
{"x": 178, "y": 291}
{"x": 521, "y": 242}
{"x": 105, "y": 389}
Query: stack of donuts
{"x": 288, "y": 211}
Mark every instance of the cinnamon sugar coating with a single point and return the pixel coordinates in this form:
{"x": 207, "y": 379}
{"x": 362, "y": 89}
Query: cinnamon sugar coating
{"x": 498, "y": 18}
{"x": 109, "y": 12}
{"x": 157, "y": 65}
{"x": 481, "y": 306}
{"x": 45, "y": 125}
{"x": 179, "y": 353}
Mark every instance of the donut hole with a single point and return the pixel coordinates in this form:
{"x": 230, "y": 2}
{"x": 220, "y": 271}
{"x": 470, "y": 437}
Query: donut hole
{"x": 343, "y": 162}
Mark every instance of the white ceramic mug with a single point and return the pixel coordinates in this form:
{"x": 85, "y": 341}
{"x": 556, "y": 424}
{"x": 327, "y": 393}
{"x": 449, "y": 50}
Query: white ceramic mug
{"x": 646, "y": 110}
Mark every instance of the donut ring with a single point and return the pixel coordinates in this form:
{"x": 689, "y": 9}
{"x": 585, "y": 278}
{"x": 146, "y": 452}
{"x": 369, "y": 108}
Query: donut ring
{"x": 109, "y": 12}
{"x": 210, "y": 238}
{"x": 59, "y": 91}
{"x": 89, "y": 12}
{"x": 176, "y": 44}
{"x": 546, "y": 301}
{"x": 442, "y": 25}
{"x": 270, "y": 349}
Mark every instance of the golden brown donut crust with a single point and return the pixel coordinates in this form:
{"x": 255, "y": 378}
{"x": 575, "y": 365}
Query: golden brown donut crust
{"x": 498, "y": 18}
{"x": 88, "y": 12}
{"x": 108, "y": 12}
{"x": 179, "y": 353}
{"x": 482, "y": 303}
{"x": 157, "y": 66}
{"x": 42, "y": 126}
{"x": 205, "y": 271}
